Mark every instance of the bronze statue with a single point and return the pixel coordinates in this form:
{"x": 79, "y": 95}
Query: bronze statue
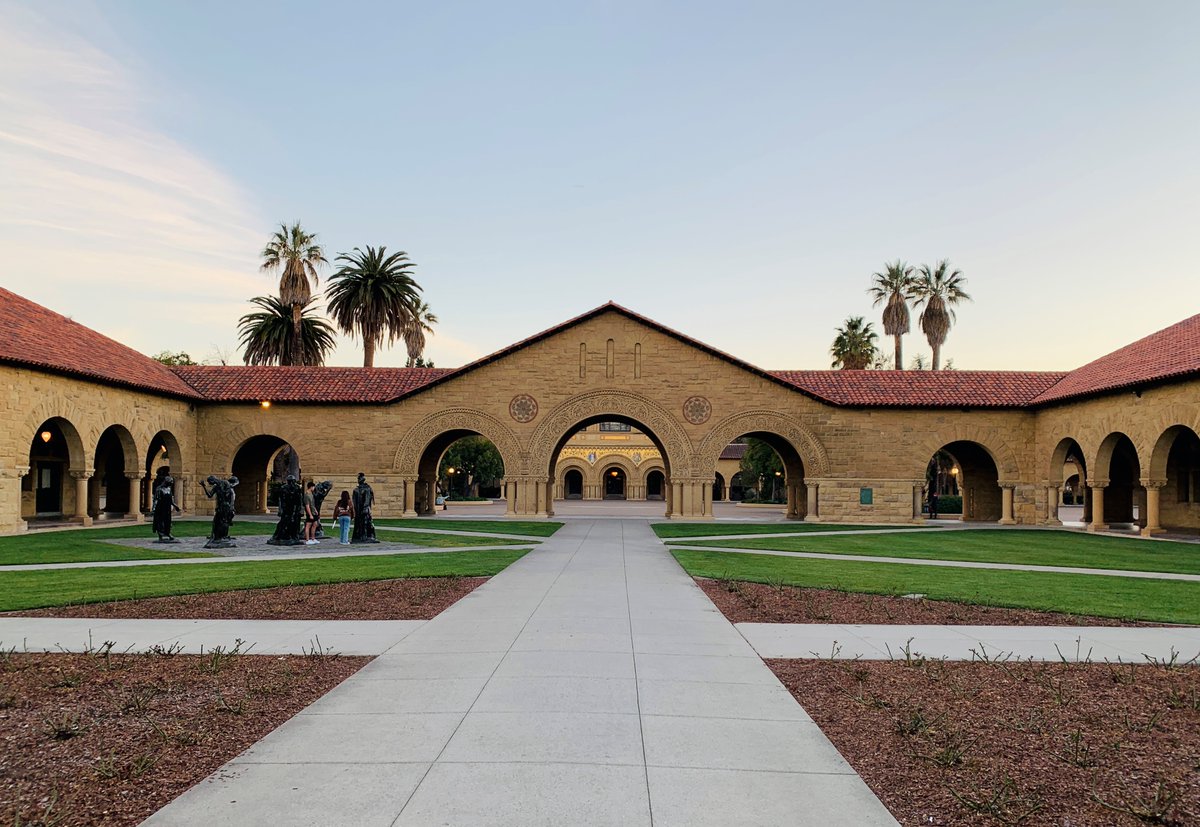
{"x": 320, "y": 492}
{"x": 291, "y": 512}
{"x": 162, "y": 505}
{"x": 363, "y": 499}
{"x": 222, "y": 492}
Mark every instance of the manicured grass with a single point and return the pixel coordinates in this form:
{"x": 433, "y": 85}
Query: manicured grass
{"x": 1167, "y": 601}
{"x": 1035, "y": 548}
{"x": 671, "y": 530}
{"x": 84, "y": 546}
{"x": 440, "y": 540}
{"x": 35, "y": 589}
{"x": 529, "y": 527}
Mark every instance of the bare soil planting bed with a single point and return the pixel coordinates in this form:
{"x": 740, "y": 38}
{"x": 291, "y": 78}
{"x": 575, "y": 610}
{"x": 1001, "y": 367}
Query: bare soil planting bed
{"x": 106, "y": 739}
{"x": 744, "y": 602}
{"x": 416, "y": 598}
{"x": 1005, "y": 743}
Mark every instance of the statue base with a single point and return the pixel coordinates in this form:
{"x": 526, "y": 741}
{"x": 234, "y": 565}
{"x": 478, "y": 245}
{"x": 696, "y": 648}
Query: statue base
{"x": 275, "y": 542}
{"x": 363, "y": 541}
{"x": 220, "y": 544}
{"x": 166, "y": 540}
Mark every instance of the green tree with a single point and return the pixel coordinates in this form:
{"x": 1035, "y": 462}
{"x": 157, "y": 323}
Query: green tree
{"x": 419, "y": 322}
{"x": 475, "y": 461}
{"x": 173, "y": 359}
{"x": 854, "y": 346}
{"x": 266, "y": 335}
{"x": 373, "y": 296}
{"x": 892, "y": 287}
{"x": 937, "y": 291}
{"x": 762, "y": 470}
{"x": 296, "y": 255}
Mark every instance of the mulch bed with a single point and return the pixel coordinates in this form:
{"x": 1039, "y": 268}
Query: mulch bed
{"x": 414, "y": 598}
{"x": 108, "y": 739}
{"x": 744, "y": 602}
{"x": 1013, "y": 743}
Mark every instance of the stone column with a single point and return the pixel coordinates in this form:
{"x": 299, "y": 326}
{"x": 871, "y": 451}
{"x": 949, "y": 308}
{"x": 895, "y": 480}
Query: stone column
{"x": 1052, "y": 495}
{"x": 1097, "y": 488}
{"x": 917, "y": 501}
{"x": 1006, "y": 505}
{"x": 410, "y": 498}
{"x": 11, "y": 521}
{"x": 793, "y": 501}
{"x": 263, "y": 490}
{"x": 135, "y": 496}
{"x": 814, "y": 511}
{"x": 81, "y": 497}
{"x": 510, "y": 499}
{"x": 1153, "y": 488}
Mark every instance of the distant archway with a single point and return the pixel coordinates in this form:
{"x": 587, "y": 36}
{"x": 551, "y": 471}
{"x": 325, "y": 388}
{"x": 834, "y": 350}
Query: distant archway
{"x": 261, "y": 464}
{"x": 1117, "y": 461}
{"x": 54, "y": 451}
{"x": 111, "y": 490}
{"x": 1175, "y": 463}
{"x": 968, "y": 484}
{"x": 656, "y": 483}
{"x": 573, "y": 484}
{"x": 614, "y": 481}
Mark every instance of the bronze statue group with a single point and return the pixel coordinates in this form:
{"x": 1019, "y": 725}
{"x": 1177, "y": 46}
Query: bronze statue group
{"x": 299, "y": 511}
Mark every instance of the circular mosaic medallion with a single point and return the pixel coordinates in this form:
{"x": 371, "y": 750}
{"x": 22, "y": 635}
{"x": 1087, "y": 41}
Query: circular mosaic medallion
{"x": 697, "y": 410}
{"x": 523, "y": 407}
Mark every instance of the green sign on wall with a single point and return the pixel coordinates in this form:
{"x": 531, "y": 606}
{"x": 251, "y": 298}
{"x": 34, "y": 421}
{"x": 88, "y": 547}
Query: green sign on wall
{"x": 866, "y": 496}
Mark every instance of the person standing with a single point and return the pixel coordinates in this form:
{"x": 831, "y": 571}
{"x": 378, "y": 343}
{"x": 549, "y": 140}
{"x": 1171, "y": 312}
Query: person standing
{"x": 310, "y": 515}
{"x": 933, "y": 503}
{"x": 343, "y": 512}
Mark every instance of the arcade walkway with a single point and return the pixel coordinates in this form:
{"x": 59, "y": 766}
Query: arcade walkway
{"x": 590, "y": 683}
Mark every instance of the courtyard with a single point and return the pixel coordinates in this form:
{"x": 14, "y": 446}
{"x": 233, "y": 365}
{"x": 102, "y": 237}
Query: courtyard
{"x": 474, "y": 670}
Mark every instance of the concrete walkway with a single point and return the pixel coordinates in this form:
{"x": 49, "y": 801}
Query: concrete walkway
{"x": 958, "y": 564}
{"x": 1043, "y": 643}
{"x": 264, "y": 637}
{"x": 590, "y": 683}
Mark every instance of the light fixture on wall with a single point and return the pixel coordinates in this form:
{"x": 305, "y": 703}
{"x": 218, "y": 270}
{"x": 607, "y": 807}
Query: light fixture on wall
{"x": 46, "y": 436}
{"x": 612, "y": 473}
{"x": 266, "y": 403}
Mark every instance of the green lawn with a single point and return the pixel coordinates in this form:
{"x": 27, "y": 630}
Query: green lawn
{"x": 1168, "y": 601}
{"x": 1030, "y": 547}
{"x": 530, "y": 528}
{"x": 671, "y": 530}
{"x": 440, "y": 540}
{"x": 35, "y": 589}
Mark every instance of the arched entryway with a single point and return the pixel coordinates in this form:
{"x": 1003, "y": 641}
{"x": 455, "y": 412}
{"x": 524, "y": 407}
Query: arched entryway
{"x": 656, "y": 484}
{"x": 573, "y": 484}
{"x": 261, "y": 464}
{"x": 1173, "y": 487}
{"x": 1067, "y": 497}
{"x": 966, "y": 480}
{"x": 1121, "y": 500}
{"x": 162, "y": 457}
{"x": 772, "y": 474}
{"x": 459, "y": 464}
{"x": 48, "y": 490}
{"x": 114, "y": 489}
{"x": 719, "y": 488}
{"x": 614, "y": 481}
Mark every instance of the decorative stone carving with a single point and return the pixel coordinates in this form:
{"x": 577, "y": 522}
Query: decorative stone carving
{"x": 408, "y": 455}
{"x": 523, "y": 408}
{"x": 812, "y": 452}
{"x": 697, "y": 410}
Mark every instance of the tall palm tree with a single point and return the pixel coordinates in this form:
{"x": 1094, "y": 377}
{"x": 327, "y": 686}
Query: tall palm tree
{"x": 893, "y": 286}
{"x": 372, "y": 295}
{"x": 416, "y": 326}
{"x": 295, "y": 253}
{"x": 267, "y": 337}
{"x": 937, "y": 291}
{"x": 854, "y": 347}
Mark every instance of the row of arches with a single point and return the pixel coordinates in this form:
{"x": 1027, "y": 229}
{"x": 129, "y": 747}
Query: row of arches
{"x": 110, "y": 478}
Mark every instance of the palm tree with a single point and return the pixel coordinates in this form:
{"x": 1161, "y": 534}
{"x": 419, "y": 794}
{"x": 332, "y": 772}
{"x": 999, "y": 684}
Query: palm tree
{"x": 372, "y": 296}
{"x": 893, "y": 286}
{"x": 416, "y": 326}
{"x": 267, "y": 336}
{"x": 854, "y": 347}
{"x": 296, "y": 254}
{"x": 938, "y": 291}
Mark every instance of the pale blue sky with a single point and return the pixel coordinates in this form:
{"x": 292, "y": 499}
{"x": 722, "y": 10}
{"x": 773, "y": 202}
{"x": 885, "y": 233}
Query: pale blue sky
{"x": 736, "y": 171}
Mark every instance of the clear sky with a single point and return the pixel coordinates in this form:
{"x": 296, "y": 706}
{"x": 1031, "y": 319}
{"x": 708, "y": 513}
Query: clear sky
{"x": 734, "y": 170}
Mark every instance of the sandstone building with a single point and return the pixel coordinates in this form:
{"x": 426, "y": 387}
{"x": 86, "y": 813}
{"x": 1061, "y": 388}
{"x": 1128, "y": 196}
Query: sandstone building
{"x": 85, "y": 422}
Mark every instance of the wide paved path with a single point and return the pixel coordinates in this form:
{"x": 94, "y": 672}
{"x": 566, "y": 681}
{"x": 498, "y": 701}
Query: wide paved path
{"x": 590, "y": 683}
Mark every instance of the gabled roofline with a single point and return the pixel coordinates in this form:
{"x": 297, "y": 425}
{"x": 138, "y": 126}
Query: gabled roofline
{"x": 86, "y": 376}
{"x": 611, "y": 306}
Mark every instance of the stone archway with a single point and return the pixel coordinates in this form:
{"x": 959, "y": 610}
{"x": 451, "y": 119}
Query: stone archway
{"x": 163, "y": 455}
{"x": 115, "y": 487}
{"x": 802, "y": 454}
{"x": 57, "y": 480}
{"x": 534, "y": 492}
{"x": 1118, "y": 494}
{"x": 417, "y": 458}
{"x": 1173, "y": 481}
{"x": 1067, "y": 453}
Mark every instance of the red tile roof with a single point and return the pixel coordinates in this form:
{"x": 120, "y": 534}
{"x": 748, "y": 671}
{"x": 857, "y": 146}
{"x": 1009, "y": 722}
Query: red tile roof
{"x": 734, "y": 450}
{"x": 32, "y": 335}
{"x": 1171, "y": 353}
{"x": 306, "y": 384}
{"x": 922, "y": 388}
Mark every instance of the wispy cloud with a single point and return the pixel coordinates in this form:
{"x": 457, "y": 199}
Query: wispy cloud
{"x": 95, "y": 200}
